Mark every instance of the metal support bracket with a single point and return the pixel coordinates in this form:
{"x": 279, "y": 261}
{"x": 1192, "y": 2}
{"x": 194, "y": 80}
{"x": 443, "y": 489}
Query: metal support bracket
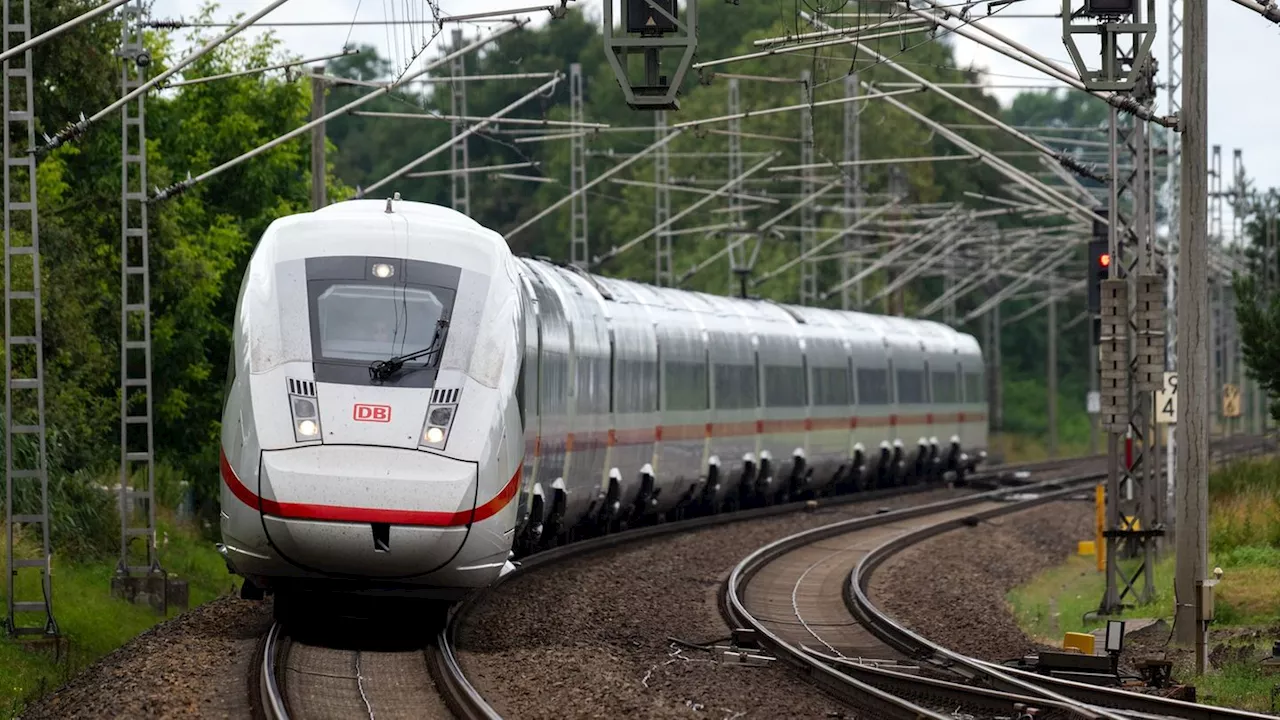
{"x": 651, "y": 26}
{"x": 1113, "y": 74}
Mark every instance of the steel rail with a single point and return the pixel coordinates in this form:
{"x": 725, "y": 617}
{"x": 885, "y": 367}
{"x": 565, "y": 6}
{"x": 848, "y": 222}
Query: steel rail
{"x": 845, "y": 686}
{"x": 457, "y": 692}
{"x": 1102, "y": 700}
{"x": 468, "y": 700}
{"x": 274, "y": 706}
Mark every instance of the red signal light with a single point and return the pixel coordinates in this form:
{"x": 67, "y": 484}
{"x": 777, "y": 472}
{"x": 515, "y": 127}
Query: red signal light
{"x": 1104, "y": 260}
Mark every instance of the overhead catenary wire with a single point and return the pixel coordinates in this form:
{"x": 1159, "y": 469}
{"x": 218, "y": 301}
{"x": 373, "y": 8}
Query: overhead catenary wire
{"x": 476, "y": 118}
{"x": 720, "y": 192}
{"x": 471, "y": 130}
{"x": 255, "y": 71}
{"x": 592, "y": 183}
{"x": 1032, "y": 59}
{"x": 79, "y": 128}
{"x": 64, "y": 27}
{"x": 184, "y": 185}
{"x": 1268, "y": 10}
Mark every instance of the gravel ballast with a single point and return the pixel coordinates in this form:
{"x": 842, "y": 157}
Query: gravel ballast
{"x": 951, "y": 588}
{"x": 195, "y": 665}
{"x": 590, "y": 637}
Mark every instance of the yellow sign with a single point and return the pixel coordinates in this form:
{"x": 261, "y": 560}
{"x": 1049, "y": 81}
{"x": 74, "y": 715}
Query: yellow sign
{"x": 1230, "y": 401}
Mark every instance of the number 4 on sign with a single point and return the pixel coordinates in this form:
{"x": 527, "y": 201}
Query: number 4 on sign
{"x": 1167, "y": 400}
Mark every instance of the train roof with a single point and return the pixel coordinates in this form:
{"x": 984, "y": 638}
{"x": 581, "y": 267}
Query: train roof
{"x": 366, "y": 227}
{"x": 898, "y": 332}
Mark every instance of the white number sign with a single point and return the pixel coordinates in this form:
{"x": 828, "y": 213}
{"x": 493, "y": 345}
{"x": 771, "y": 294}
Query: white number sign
{"x": 1167, "y": 400}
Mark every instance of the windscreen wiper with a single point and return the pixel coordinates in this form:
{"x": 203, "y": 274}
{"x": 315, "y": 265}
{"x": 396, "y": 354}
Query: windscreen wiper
{"x": 380, "y": 370}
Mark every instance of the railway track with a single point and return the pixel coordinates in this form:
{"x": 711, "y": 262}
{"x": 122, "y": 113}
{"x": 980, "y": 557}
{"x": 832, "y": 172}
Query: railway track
{"x": 346, "y": 677}
{"x": 806, "y": 597}
{"x": 318, "y": 677}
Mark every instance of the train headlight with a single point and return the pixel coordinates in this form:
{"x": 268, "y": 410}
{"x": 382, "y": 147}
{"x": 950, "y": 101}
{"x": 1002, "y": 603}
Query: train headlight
{"x": 305, "y": 415}
{"x": 383, "y": 270}
{"x": 440, "y": 417}
{"x": 435, "y": 431}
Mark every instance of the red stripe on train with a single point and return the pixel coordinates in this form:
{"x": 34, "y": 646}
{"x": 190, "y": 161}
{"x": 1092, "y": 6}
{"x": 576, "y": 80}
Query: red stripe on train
{"x": 338, "y": 513}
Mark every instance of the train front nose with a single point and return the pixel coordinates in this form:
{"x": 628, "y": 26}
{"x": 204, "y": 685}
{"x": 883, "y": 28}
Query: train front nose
{"x": 368, "y": 512}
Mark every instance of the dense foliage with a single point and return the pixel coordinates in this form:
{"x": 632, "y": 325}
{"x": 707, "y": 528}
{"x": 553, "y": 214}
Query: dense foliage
{"x": 1258, "y": 297}
{"x": 201, "y": 240}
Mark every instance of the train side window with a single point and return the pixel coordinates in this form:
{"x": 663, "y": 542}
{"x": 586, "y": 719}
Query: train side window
{"x": 975, "y": 390}
{"x": 911, "y": 390}
{"x": 520, "y": 392}
{"x": 945, "y": 388}
{"x": 231, "y": 376}
{"x": 831, "y": 387}
{"x": 873, "y": 386}
{"x": 735, "y": 386}
{"x": 784, "y": 386}
{"x": 686, "y": 385}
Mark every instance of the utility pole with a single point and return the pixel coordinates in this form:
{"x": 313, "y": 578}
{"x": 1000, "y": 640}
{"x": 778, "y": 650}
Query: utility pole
{"x": 319, "y": 167}
{"x": 662, "y": 269}
{"x": 1192, "y": 434}
{"x": 26, "y": 459}
{"x": 460, "y": 157}
{"x": 852, "y": 194}
{"x": 580, "y": 250}
{"x": 808, "y": 219}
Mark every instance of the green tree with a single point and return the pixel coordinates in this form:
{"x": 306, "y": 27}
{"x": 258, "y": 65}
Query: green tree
{"x": 1258, "y": 298}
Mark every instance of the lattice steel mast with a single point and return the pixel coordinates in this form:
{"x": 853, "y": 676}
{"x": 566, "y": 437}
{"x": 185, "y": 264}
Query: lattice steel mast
{"x": 663, "y": 276}
{"x": 735, "y": 169}
{"x": 137, "y": 458}
{"x": 808, "y": 218}
{"x": 460, "y": 157}
{"x": 851, "y": 264}
{"x": 1132, "y": 362}
{"x": 579, "y": 251}
{"x": 26, "y": 459}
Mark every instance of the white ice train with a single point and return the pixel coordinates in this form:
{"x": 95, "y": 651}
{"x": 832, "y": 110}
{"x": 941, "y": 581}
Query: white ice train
{"x": 408, "y": 403}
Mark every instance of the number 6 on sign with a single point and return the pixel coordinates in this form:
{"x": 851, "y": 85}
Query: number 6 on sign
{"x": 1167, "y": 400}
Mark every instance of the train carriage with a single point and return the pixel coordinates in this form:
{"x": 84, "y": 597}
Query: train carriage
{"x": 409, "y": 405}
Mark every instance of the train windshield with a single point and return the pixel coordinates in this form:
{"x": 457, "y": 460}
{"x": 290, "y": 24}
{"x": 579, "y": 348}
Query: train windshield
{"x": 365, "y": 323}
{"x": 366, "y": 309}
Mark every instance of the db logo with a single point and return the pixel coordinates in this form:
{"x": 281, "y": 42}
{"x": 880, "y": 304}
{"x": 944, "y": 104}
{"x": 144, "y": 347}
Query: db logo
{"x": 371, "y": 413}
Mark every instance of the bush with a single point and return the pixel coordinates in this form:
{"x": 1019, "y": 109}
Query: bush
{"x": 1244, "y": 506}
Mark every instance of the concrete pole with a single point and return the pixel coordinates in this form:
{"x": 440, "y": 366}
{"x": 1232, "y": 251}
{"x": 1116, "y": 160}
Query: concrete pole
{"x": 318, "y": 165}
{"x": 1192, "y": 433}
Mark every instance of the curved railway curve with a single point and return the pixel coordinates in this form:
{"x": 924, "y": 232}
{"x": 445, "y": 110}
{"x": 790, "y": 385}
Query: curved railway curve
{"x": 806, "y": 596}
{"x": 324, "y": 677}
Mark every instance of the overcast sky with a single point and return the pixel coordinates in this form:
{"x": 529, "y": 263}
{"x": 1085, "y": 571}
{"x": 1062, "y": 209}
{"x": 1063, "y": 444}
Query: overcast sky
{"x": 1244, "y": 51}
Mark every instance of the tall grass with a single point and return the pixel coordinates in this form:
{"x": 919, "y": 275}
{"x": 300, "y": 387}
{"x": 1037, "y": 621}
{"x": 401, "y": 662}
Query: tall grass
{"x": 1244, "y": 505}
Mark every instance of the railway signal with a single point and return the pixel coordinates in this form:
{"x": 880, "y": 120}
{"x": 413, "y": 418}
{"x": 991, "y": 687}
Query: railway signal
{"x": 652, "y": 26}
{"x": 1099, "y": 270}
